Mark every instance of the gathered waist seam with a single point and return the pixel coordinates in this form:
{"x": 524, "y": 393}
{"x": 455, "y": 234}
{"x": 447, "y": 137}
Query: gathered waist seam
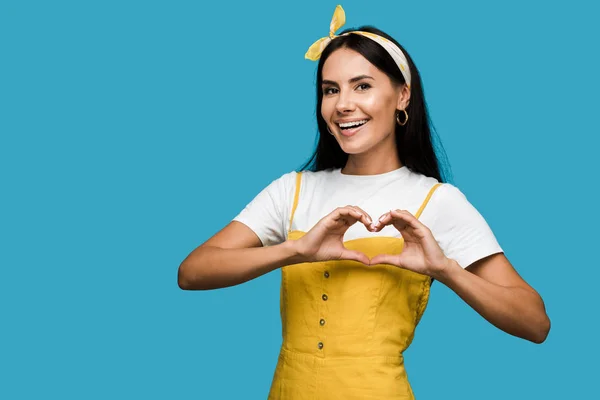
{"x": 388, "y": 359}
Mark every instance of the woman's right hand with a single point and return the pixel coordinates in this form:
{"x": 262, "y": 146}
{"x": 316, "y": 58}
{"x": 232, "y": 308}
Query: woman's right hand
{"x": 325, "y": 241}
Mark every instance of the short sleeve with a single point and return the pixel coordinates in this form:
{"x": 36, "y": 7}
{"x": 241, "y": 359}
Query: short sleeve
{"x": 459, "y": 228}
{"x": 268, "y": 213}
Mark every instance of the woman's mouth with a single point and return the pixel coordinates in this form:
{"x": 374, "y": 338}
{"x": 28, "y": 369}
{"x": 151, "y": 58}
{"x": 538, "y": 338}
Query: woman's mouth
{"x": 350, "y": 128}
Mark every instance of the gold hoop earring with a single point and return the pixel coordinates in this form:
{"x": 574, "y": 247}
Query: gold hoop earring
{"x": 398, "y": 118}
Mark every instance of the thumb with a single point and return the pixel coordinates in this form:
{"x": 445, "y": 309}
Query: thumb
{"x": 356, "y": 256}
{"x": 385, "y": 259}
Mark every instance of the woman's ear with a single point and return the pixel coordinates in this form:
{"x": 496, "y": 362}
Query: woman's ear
{"x": 403, "y": 97}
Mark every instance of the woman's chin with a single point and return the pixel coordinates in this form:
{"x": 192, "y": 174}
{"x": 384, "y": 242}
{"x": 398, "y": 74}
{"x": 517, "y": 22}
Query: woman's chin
{"x": 361, "y": 145}
{"x": 354, "y": 148}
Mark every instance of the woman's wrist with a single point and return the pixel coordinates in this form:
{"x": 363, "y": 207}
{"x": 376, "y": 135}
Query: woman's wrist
{"x": 446, "y": 273}
{"x": 294, "y": 252}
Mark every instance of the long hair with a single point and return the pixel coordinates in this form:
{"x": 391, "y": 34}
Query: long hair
{"x": 414, "y": 141}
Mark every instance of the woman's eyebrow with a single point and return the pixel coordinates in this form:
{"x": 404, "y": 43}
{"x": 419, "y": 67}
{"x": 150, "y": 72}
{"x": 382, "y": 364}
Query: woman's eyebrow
{"x": 351, "y": 80}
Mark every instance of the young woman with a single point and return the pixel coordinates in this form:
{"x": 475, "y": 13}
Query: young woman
{"x": 362, "y": 231}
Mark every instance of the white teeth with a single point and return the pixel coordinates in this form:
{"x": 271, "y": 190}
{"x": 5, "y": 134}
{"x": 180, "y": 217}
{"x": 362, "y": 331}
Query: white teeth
{"x": 353, "y": 123}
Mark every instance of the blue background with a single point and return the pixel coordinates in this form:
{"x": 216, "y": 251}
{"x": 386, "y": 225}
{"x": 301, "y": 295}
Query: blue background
{"x": 131, "y": 131}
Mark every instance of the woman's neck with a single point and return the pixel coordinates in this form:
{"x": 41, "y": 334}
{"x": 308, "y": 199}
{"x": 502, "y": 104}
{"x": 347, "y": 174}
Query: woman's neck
{"x": 372, "y": 163}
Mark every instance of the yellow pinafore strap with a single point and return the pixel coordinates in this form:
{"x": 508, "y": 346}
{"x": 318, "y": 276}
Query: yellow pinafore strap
{"x": 418, "y": 214}
{"x": 296, "y": 196}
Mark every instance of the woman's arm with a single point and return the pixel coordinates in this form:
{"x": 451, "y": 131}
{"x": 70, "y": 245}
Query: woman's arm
{"x": 232, "y": 256}
{"x": 493, "y": 288}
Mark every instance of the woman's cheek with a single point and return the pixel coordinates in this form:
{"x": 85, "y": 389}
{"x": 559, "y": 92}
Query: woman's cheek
{"x": 326, "y": 109}
{"x": 370, "y": 104}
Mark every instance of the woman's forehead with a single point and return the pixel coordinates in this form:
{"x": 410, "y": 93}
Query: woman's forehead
{"x": 344, "y": 64}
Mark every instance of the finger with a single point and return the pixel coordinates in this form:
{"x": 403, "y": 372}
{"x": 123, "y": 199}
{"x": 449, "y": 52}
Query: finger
{"x": 401, "y": 218}
{"x": 405, "y": 221}
{"x": 385, "y": 259}
{"x": 366, "y": 214}
{"x": 356, "y": 256}
{"x": 383, "y": 221}
{"x": 406, "y": 217}
{"x": 347, "y": 214}
{"x": 366, "y": 219}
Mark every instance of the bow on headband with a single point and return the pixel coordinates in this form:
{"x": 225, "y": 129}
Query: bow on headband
{"x": 338, "y": 20}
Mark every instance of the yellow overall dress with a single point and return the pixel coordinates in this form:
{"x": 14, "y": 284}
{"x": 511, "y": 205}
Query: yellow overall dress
{"x": 345, "y": 325}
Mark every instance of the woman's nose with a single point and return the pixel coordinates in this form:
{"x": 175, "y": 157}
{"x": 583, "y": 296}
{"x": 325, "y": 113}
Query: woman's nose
{"x": 344, "y": 103}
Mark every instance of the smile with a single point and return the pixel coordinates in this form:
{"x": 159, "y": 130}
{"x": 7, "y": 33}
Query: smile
{"x": 353, "y": 124}
{"x": 351, "y": 128}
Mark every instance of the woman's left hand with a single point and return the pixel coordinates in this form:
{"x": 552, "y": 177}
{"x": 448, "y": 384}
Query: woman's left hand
{"x": 421, "y": 252}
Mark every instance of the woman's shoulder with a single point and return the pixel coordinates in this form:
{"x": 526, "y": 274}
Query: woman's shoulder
{"x": 313, "y": 178}
{"x": 439, "y": 197}
{"x": 286, "y": 184}
{"x": 426, "y": 184}
{"x": 446, "y": 200}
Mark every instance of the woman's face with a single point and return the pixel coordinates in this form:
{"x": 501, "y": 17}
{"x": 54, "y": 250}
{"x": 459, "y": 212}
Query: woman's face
{"x": 360, "y": 102}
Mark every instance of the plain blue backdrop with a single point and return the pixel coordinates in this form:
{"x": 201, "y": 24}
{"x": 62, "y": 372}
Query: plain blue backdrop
{"x": 132, "y": 131}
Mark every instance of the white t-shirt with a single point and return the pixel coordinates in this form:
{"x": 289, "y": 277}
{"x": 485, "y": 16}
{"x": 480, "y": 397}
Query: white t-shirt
{"x": 460, "y": 230}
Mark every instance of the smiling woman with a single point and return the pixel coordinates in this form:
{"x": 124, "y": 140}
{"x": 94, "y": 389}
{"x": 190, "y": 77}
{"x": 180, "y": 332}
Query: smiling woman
{"x": 354, "y": 287}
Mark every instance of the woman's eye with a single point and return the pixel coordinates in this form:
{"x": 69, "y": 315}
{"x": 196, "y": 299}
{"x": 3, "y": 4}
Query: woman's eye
{"x": 363, "y": 86}
{"x": 329, "y": 90}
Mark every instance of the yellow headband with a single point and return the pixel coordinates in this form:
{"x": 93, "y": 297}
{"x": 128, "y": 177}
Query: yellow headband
{"x": 338, "y": 20}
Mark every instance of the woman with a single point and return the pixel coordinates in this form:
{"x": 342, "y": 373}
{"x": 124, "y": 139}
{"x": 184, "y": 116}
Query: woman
{"x": 363, "y": 232}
